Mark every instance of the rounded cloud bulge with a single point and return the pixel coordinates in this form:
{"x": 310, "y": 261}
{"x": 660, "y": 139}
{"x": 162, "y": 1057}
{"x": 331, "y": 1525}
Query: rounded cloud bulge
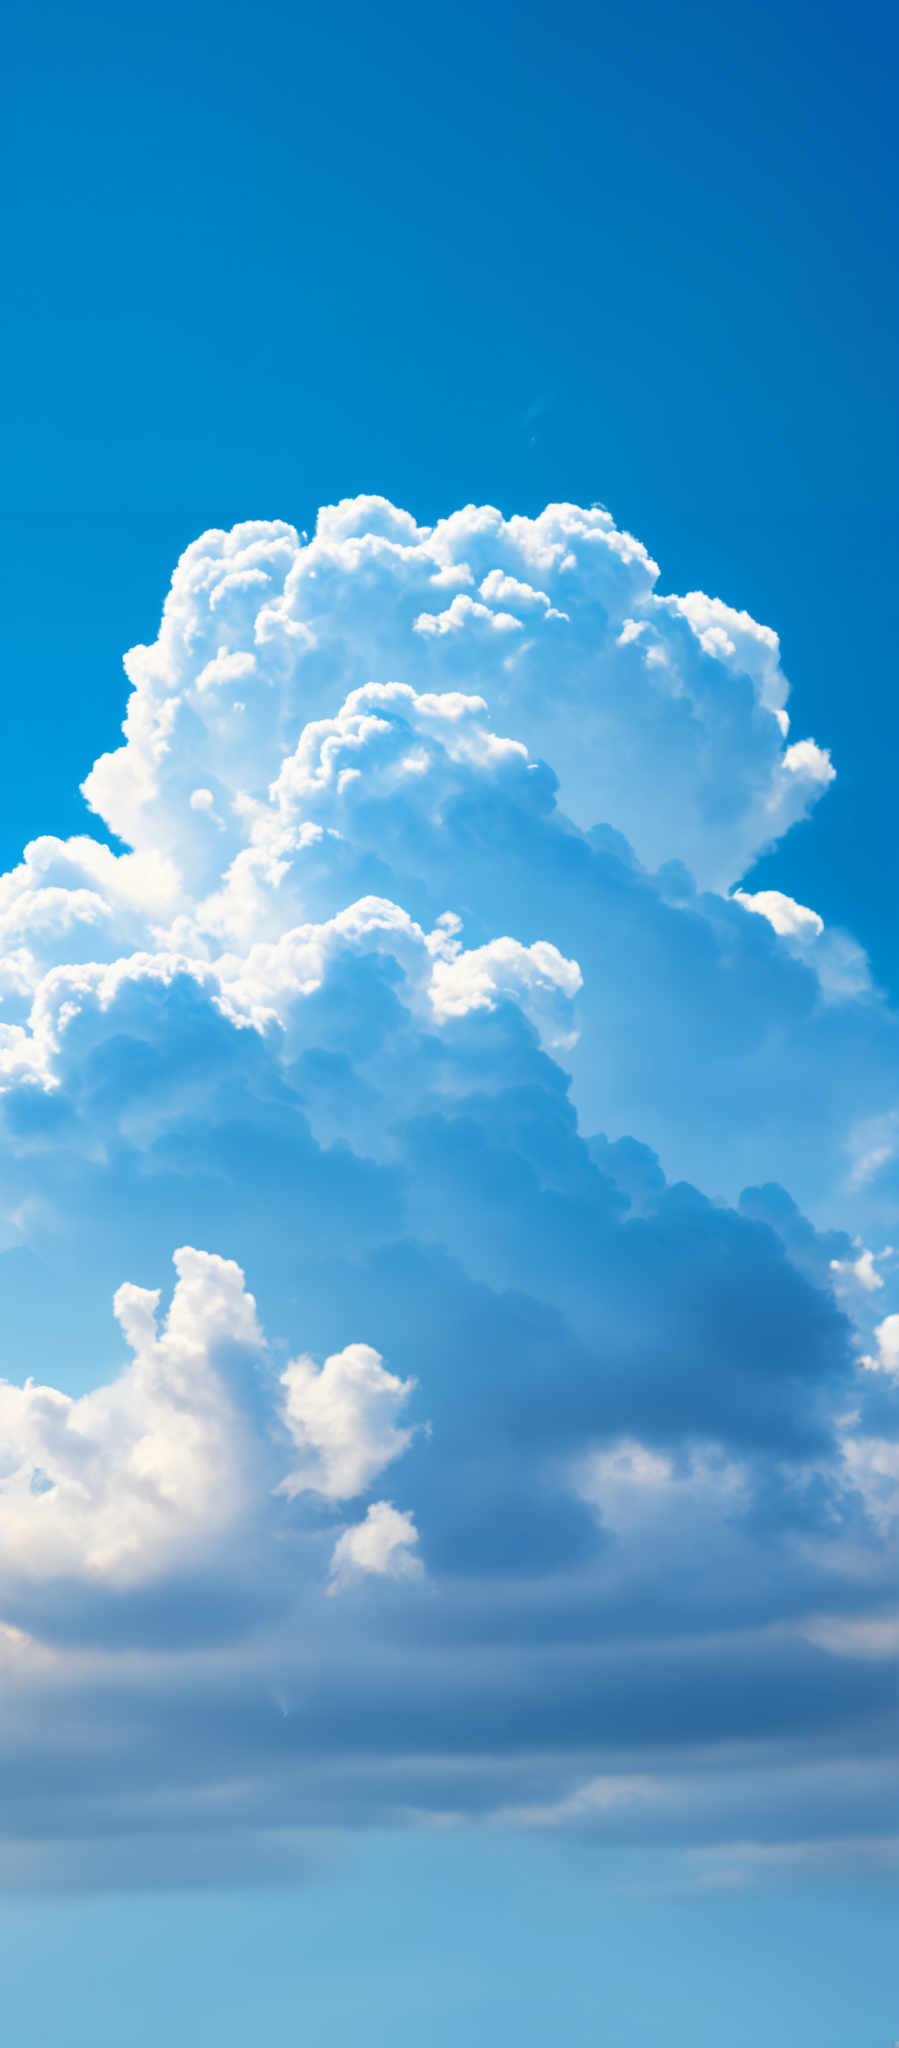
{"x": 666, "y": 715}
{"x": 509, "y": 1436}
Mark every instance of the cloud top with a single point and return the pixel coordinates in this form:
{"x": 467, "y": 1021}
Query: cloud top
{"x": 664, "y": 714}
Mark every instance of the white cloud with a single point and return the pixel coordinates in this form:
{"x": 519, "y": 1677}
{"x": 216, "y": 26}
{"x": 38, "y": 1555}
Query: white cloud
{"x": 277, "y": 793}
{"x": 384, "y": 1545}
{"x": 464, "y": 613}
{"x": 862, "y": 1270}
{"x": 264, "y": 631}
{"x": 262, "y": 987}
{"x": 150, "y": 1471}
{"x": 156, "y": 1472}
{"x": 789, "y": 919}
{"x": 537, "y": 977}
{"x": 839, "y": 961}
{"x": 343, "y": 1421}
{"x": 738, "y": 640}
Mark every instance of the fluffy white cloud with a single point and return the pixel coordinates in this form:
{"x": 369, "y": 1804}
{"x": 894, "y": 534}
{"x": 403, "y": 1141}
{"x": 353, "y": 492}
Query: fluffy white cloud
{"x": 264, "y": 631}
{"x": 149, "y": 1470}
{"x": 791, "y": 920}
{"x": 263, "y": 987}
{"x": 154, "y": 1472}
{"x": 343, "y": 1421}
{"x": 538, "y": 977}
{"x": 415, "y": 817}
{"x": 383, "y": 1544}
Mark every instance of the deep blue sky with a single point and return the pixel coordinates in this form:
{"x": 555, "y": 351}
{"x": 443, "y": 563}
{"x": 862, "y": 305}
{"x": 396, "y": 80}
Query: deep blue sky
{"x": 262, "y": 259}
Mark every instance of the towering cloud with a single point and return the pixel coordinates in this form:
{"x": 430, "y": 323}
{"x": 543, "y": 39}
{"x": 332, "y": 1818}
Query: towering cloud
{"x": 421, "y": 999}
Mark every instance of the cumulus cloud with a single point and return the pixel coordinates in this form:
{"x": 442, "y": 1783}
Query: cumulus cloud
{"x": 838, "y": 960}
{"x": 568, "y": 640}
{"x": 427, "y": 1002}
{"x": 147, "y": 1470}
{"x": 154, "y": 1472}
{"x": 343, "y": 1421}
{"x": 383, "y": 1543}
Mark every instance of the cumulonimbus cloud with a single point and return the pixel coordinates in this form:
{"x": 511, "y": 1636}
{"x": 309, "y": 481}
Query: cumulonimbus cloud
{"x": 421, "y": 953}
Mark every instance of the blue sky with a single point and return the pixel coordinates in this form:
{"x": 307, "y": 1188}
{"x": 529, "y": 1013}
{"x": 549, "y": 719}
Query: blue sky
{"x": 429, "y": 1943}
{"x": 461, "y": 1587}
{"x": 260, "y": 266}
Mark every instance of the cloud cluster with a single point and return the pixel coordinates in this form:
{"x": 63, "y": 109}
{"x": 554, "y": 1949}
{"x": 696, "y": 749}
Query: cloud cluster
{"x": 555, "y": 621}
{"x": 420, "y": 1000}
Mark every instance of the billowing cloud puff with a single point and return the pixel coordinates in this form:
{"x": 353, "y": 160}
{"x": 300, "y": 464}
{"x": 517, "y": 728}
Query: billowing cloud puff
{"x": 555, "y": 621}
{"x": 422, "y": 997}
{"x": 383, "y": 1543}
{"x": 157, "y": 1471}
{"x": 343, "y": 1421}
{"x": 134, "y": 1477}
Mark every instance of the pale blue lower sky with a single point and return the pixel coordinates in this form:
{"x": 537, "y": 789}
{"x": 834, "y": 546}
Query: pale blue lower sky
{"x": 455, "y": 1944}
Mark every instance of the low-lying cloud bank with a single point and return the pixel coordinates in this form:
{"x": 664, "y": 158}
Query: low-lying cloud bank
{"x": 477, "y": 1465}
